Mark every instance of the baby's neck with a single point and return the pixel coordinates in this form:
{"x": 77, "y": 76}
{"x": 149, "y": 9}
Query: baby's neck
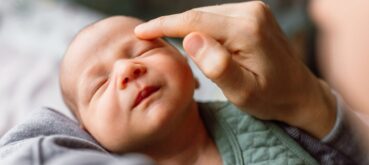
{"x": 190, "y": 144}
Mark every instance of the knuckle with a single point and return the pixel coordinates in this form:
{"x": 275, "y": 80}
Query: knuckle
{"x": 192, "y": 17}
{"x": 260, "y": 6}
{"x": 250, "y": 27}
{"x": 162, "y": 21}
{"x": 258, "y": 13}
{"x": 260, "y": 10}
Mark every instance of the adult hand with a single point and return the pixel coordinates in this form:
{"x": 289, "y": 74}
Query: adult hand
{"x": 241, "y": 48}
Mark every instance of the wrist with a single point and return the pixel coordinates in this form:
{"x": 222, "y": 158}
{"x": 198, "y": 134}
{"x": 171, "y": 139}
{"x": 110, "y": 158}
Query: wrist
{"x": 317, "y": 113}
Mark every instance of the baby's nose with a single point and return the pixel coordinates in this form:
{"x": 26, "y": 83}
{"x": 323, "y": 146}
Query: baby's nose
{"x": 129, "y": 72}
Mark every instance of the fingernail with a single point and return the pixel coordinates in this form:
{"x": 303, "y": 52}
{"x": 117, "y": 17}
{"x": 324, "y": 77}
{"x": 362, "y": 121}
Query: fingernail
{"x": 194, "y": 44}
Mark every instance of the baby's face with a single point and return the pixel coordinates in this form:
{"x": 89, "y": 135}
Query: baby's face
{"x": 127, "y": 92}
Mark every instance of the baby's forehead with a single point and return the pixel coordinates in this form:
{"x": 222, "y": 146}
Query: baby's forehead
{"x": 118, "y": 26}
{"x": 103, "y": 35}
{"x": 119, "y": 23}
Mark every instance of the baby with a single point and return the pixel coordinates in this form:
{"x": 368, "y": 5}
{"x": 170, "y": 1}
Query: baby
{"x": 136, "y": 95}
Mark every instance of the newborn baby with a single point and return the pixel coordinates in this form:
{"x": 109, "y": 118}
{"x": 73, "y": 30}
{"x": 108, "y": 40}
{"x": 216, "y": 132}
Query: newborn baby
{"x": 128, "y": 93}
{"x": 136, "y": 95}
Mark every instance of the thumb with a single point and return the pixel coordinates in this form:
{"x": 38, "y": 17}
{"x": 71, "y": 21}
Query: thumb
{"x": 215, "y": 61}
{"x": 208, "y": 54}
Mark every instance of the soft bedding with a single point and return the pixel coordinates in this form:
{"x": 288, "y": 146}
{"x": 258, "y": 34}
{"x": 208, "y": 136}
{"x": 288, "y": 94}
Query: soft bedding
{"x": 49, "y": 137}
{"x": 33, "y": 37}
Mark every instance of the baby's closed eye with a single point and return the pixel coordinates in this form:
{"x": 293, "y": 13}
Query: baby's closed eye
{"x": 98, "y": 87}
{"x": 149, "y": 48}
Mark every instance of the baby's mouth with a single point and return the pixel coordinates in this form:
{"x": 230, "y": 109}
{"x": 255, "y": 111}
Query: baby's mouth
{"x": 144, "y": 93}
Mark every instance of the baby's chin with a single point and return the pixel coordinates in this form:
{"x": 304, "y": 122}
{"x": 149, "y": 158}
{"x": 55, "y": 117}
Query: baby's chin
{"x": 140, "y": 143}
{"x": 159, "y": 127}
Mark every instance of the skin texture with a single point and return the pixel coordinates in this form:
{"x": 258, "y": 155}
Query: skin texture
{"x": 251, "y": 60}
{"x": 103, "y": 72}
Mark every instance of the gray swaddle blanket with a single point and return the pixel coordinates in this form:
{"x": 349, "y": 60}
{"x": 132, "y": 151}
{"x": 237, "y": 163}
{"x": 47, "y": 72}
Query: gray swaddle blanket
{"x": 49, "y": 137}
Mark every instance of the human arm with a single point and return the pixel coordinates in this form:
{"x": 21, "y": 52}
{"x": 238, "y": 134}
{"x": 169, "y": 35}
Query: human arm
{"x": 344, "y": 144}
{"x": 348, "y": 134}
{"x": 241, "y": 48}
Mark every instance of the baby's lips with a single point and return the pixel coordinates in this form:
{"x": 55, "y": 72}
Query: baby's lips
{"x": 144, "y": 93}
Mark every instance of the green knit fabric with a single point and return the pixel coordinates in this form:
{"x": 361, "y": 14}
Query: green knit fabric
{"x": 242, "y": 139}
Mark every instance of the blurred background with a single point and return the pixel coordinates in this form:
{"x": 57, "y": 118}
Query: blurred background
{"x": 34, "y": 34}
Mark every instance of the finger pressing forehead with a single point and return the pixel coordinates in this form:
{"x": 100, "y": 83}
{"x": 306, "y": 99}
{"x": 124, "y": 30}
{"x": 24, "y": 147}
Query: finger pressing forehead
{"x": 216, "y": 21}
{"x": 179, "y": 25}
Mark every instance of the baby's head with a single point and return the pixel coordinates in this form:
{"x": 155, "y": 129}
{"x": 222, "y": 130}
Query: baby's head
{"x": 125, "y": 92}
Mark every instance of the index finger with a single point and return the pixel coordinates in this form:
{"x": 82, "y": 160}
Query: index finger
{"x": 240, "y": 9}
{"x": 179, "y": 25}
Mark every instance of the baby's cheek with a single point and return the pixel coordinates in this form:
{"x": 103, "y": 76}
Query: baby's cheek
{"x": 105, "y": 126}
